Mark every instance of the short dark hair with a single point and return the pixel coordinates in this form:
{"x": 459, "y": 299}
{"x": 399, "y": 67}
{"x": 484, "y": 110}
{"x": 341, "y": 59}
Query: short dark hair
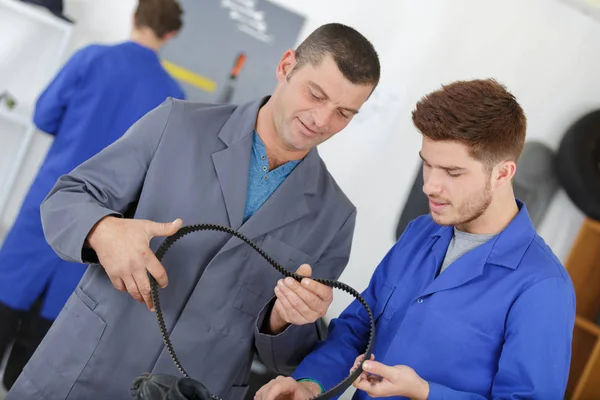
{"x": 353, "y": 54}
{"x": 480, "y": 114}
{"x": 162, "y": 16}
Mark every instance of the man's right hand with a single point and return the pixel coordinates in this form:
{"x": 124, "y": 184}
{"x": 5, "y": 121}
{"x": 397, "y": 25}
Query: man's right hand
{"x": 123, "y": 249}
{"x": 287, "y": 388}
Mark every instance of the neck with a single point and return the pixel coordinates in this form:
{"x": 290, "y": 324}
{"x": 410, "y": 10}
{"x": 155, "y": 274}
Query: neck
{"x": 145, "y": 37}
{"x": 277, "y": 151}
{"x": 499, "y": 214}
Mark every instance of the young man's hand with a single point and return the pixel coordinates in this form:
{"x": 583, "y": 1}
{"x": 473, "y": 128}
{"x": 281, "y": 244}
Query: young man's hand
{"x": 287, "y": 388}
{"x": 380, "y": 380}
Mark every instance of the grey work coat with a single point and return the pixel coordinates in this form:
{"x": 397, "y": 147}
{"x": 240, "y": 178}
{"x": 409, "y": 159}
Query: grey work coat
{"x": 185, "y": 160}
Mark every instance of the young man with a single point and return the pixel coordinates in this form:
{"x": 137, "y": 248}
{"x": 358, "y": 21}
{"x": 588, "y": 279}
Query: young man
{"x": 92, "y": 101}
{"x": 470, "y": 303}
{"x": 252, "y": 167}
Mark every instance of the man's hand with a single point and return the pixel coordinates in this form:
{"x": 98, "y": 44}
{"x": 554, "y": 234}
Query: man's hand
{"x": 363, "y": 375}
{"x": 385, "y": 381}
{"x": 299, "y": 303}
{"x": 287, "y": 388}
{"x": 123, "y": 249}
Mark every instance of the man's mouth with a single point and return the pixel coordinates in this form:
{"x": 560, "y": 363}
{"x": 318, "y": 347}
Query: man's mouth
{"x": 309, "y": 132}
{"x": 437, "y": 205}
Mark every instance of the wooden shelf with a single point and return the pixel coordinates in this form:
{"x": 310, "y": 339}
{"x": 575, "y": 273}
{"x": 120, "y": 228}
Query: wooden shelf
{"x": 584, "y": 344}
{"x": 589, "y": 384}
{"x": 583, "y": 265}
{"x": 587, "y": 326}
{"x": 593, "y": 225}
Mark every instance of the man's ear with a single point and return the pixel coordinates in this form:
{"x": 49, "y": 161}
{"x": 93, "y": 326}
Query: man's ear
{"x": 169, "y": 36}
{"x": 504, "y": 173}
{"x": 286, "y": 65}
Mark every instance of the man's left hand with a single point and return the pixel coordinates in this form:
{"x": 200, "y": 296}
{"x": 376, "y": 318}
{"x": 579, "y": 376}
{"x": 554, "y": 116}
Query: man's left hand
{"x": 399, "y": 380}
{"x": 299, "y": 303}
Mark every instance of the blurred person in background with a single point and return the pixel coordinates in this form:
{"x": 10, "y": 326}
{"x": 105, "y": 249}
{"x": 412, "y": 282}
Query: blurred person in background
{"x": 99, "y": 93}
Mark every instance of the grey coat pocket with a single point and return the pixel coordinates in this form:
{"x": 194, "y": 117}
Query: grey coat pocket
{"x": 67, "y": 348}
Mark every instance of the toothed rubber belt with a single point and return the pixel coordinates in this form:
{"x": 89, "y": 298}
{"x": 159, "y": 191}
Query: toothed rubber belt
{"x": 162, "y": 250}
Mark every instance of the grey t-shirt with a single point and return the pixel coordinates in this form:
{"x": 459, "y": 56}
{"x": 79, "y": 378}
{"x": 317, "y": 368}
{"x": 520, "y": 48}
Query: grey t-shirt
{"x": 461, "y": 243}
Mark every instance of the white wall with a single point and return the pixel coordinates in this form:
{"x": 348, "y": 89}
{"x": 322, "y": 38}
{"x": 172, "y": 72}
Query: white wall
{"x": 545, "y": 51}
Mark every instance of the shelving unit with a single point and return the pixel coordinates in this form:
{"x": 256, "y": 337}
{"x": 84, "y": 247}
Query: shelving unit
{"x": 32, "y": 48}
{"x": 583, "y": 266}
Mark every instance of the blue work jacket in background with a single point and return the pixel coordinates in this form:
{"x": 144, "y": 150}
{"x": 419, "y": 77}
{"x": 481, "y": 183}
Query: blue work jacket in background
{"x": 98, "y": 94}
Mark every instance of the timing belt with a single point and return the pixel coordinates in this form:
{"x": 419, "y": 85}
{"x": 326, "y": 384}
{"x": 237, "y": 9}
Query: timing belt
{"x": 169, "y": 241}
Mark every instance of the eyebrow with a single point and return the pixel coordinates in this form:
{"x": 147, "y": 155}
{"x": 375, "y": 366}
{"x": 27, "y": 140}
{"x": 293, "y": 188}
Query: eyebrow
{"x": 319, "y": 89}
{"x": 448, "y": 168}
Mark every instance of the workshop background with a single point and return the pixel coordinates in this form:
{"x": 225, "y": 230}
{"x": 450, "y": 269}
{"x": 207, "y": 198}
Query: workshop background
{"x": 545, "y": 51}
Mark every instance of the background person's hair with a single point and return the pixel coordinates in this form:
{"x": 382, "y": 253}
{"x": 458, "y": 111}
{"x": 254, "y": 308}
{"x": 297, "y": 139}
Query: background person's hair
{"x": 162, "y": 16}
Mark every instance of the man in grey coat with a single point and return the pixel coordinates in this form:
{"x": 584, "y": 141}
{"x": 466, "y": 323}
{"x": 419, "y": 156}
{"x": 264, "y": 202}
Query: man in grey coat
{"x": 252, "y": 167}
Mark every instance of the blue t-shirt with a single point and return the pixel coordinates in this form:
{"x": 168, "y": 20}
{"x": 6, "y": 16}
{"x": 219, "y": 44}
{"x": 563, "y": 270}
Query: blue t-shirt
{"x": 262, "y": 182}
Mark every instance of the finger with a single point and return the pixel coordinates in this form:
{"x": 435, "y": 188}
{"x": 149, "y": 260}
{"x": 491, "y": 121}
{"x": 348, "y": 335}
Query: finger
{"x": 308, "y": 297}
{"x": 268, "y": 391}
{"x": 280, "y": 310}
{"x": 369, "y": 376}
{"x": 357, "y": 362}
{"x": 357, "y": 382}
{"x": 157, "y": 270}
{"x": 377, "y": 368}
{"x": 324, "y": 292}
{"x": 377, "y": 388}
{"x": 280, "y": 387}
{"x": 118, "y": 283}
{"x": 295, "y": 305}
{"x": 359, "y": 359}
{"x": 362, "y": 377}
{"x": 132, "y": 288}
{"x": 260, "y": 394}
{"x": 163, "y": 229}
{"x": 293, "y": 314}
{"x": 273, "y": 393}
{"x": 304, "y": 270}
{"x": 316, "y": 300}
{"x": 284, "y": 308}
{"x": 371, "y": 358}
{"x": 143, "y": 284}
{"x": 371, "y": 388}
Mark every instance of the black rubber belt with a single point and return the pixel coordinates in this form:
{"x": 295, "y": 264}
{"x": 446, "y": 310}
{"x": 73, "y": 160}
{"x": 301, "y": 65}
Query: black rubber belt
{"x": 162, "y": 250}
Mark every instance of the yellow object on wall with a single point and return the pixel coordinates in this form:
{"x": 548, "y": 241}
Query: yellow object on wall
{"x": 189, "y": 77}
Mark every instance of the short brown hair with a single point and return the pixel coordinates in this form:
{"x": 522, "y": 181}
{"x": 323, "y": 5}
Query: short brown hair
{"x": 353, "y": 54}
{"x": 162, "y": 16}
{"x": 481, "y": 114}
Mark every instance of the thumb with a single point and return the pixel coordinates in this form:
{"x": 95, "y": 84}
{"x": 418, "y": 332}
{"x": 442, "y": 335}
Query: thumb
{"x": 378, "y": 368}
{"x": 164, "y": 229}
{"x": 304, "y": 270}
